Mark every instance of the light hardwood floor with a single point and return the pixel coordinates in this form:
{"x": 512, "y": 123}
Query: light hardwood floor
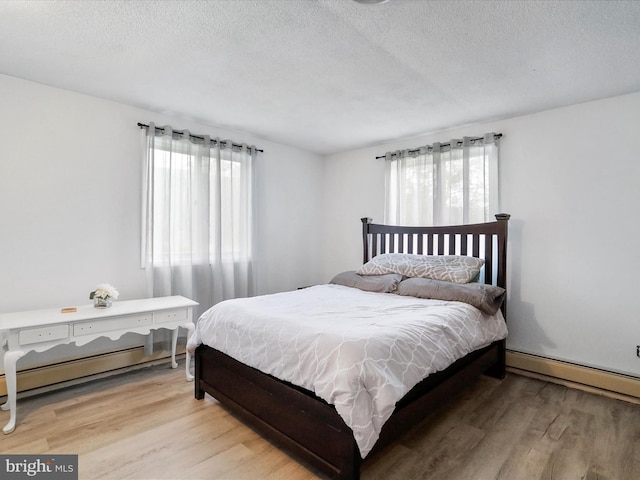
{"x": 146, "y": 425}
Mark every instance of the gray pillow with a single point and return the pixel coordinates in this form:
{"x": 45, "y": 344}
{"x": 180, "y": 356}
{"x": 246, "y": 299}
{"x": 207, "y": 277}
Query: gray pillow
{"x": 371, "y": 283}
{"x": 486, "y": 298}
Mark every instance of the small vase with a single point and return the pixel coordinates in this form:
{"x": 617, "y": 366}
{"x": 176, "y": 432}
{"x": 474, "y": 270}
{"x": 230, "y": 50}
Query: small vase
{"x": 100, "y": 302}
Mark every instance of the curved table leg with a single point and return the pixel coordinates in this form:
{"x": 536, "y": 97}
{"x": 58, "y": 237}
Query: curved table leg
{"x": 10, "y": 361}
{"x": 174, "y": 344}
{"x": 190, "y": 328}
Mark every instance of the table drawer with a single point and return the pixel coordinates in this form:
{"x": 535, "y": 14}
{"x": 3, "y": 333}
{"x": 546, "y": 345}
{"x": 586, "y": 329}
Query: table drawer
{"x": 110, "y": 324}
{"x": 171, "y": 316}
{"x": 43, "y": 334}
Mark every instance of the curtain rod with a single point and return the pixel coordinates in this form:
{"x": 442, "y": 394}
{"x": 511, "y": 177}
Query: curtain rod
{"x": 448, "y": 144}
{"x": 142, "y": 125}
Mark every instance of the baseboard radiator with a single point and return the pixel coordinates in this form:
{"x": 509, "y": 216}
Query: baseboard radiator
{"x": 40, "y": 378}
{"x": 575, "y": 376}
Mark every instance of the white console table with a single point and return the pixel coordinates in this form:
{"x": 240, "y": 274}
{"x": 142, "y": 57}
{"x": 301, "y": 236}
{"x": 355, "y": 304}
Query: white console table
{"x": 40, "y": 330}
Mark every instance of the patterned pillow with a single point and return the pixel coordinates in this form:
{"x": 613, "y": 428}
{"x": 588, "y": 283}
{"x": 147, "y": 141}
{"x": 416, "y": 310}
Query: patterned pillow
{"x": 449, "y": 268}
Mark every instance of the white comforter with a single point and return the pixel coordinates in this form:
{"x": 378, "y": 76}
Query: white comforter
{"x": 359, "y": 351}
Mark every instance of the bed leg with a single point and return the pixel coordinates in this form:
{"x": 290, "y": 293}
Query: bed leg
{"x": 198, "y": 391}
{"x": 357, "y": 464}
{"x": 498, "y": 369}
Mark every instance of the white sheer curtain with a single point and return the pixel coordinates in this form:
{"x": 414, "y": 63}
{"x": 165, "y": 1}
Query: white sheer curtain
{"x": 443, "y": 184}
{"x": 198, "y": 228}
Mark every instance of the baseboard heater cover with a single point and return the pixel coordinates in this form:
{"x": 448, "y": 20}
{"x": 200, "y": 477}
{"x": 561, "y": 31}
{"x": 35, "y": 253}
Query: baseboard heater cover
{"x": 81, "y": 369}
{"x": 575, "y": 375}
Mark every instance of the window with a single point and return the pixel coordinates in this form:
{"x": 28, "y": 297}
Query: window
{"x": 185, "y": 227}
{"x": 443, "y": 184}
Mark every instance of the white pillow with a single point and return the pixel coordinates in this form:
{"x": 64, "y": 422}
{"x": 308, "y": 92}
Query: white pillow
{"x": 448, "y": 268}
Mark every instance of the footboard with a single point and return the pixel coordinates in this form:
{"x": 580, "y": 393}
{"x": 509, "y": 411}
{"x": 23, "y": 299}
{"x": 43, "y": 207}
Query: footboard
{"x": 295, "y": 419}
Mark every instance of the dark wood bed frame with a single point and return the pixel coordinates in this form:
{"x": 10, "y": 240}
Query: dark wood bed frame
{"x": 311, "y": 429}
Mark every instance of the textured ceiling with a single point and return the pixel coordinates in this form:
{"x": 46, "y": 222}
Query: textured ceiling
{"x": 328, "y": 75}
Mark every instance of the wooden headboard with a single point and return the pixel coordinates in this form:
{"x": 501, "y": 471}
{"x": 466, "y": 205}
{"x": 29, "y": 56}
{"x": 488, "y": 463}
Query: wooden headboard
{"x": 484, "y": 240}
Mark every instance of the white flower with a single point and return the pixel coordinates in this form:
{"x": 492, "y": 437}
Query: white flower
{"x": 104, "y": 290}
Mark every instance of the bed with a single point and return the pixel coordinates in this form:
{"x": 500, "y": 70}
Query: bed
{"x": 301, "y": 416}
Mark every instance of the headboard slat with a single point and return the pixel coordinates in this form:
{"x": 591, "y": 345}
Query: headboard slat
{"x": 488, "y": 259}
{"x": 476, "y": 245}
{"x": 463, "y": 244}
{"x": 452, "y": 244}
{"x": 374, "y": 244}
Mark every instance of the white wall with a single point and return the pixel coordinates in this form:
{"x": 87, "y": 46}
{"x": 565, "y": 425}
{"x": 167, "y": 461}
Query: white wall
{"x": 571, "y": 181}
{"x": 70, "y": 175}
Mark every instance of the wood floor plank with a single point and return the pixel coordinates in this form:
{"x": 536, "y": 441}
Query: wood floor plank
{"x": 523, "y": 464}
{"x": 146, "y": 425}
{"x": 449, "y": 454}
{"x": 170, "y": 442}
